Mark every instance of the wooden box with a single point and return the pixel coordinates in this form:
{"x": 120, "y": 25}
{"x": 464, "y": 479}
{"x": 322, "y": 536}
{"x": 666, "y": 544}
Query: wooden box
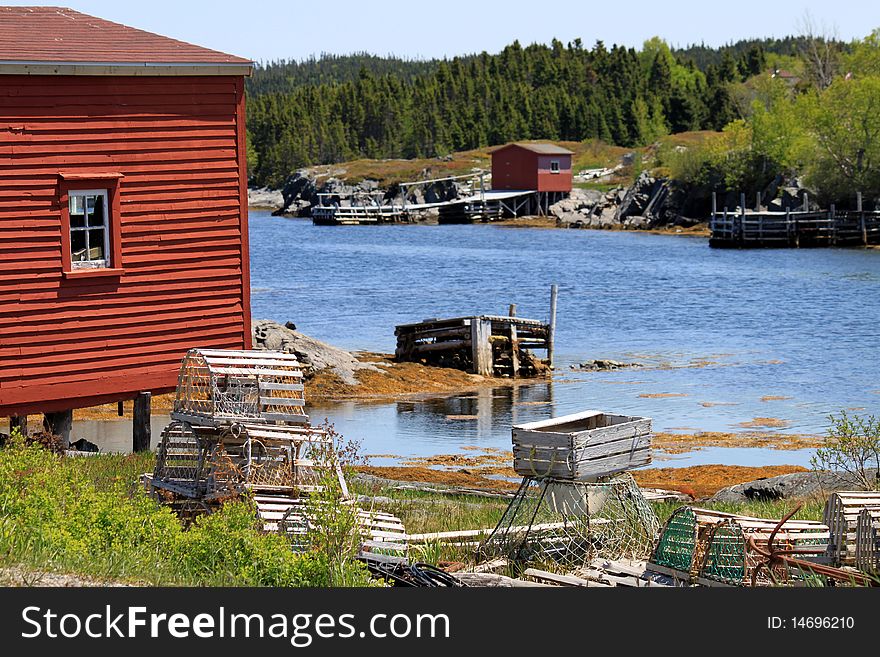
{"x": 581, "y": 446}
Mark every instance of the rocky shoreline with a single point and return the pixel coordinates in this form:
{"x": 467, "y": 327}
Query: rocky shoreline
{"x": 649, "y": 204}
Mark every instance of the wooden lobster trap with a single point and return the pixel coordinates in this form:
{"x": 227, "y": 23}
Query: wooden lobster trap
{"x": 841, "y": 515}
{"x": 868, "y": 540}
{"x": 221, "y": 386}
{"x": 217, "y": 462}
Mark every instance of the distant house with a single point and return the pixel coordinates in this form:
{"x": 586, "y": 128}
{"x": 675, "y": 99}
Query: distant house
{"x": 123, "y": 209}
{"x": 537, "y": 167}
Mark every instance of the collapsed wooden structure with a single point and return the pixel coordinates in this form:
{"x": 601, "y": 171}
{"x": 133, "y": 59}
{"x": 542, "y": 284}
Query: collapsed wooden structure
{"x": 490, "y": 345}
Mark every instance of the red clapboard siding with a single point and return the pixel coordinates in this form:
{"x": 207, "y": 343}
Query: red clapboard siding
{"x": 178, "y": 143}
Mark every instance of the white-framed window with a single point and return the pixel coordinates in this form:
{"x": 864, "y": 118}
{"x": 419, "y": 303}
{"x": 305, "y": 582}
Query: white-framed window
{"x": 89, "y": 228}
{"x": 554, "y": 166}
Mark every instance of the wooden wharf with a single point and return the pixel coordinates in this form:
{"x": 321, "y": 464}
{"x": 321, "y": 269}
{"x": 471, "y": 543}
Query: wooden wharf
{"x": 490, "y": 345}
{"x": 744, "y": 228}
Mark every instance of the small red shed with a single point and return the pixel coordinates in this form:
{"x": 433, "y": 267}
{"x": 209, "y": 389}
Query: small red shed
{"x": 123, "y": 208}
{"x": 537, "y": 167}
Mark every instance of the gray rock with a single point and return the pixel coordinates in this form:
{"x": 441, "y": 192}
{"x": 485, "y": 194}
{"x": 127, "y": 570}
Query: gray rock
{"x": 601, "y": 364}
{"x": 313, "y": 354}
{"x": 794, "y": 486}
{"x": 263, "y": 197}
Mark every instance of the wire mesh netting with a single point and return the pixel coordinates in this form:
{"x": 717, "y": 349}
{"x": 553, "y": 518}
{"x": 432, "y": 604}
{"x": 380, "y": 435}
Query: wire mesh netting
{"x": 675, "y": 547}
{"x": 566, "y": 524}
{"x": 726, "y": 555}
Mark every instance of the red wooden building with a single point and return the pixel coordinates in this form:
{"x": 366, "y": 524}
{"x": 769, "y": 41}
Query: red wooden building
{"x": 123, "y": 208}
{"x": 537, "y": 167}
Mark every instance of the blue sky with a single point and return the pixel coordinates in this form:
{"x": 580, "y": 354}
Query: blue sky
{"x": 274, "y": 29}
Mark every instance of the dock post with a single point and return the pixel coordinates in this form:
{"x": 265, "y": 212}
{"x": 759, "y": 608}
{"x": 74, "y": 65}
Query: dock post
{"x": 714, "y": 212}
{"x": 832, "y": 225}
{"x": 862, "y": 223}
{"x": 481, "y": 346}
{"x": 806, "y": 207}
{"x": 788, "y": 226}
{"x": 59, "y": 423}
{"x": 18, "y": 422}
{"x": 757, "y": 201}
{"x": 140, "y": 432}
{"x": 742, "y": 217}
{"x": 551, "y": 334}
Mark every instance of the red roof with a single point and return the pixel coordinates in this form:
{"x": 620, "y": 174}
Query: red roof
{"x": 59, "y": 35}
{"x": 541, "y": 149}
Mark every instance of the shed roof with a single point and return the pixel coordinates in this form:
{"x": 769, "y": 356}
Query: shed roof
{"x": 543, "y": 149}
{"x": 61, "y": 41}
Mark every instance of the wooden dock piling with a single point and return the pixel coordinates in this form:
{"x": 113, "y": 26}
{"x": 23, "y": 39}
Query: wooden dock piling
{"x": 551, "y": 337}
{"x": 141, "y": 430}
{"x": 18, "y": 422}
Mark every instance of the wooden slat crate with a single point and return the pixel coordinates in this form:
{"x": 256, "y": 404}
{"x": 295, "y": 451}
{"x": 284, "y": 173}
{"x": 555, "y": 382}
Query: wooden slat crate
{"x": 581, "y": 446}
{"x": 841, "y": 515}
{"x": 868, "y": 540}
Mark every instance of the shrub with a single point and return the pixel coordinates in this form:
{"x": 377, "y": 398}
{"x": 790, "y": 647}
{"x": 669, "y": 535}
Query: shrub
{"x": 852, "y": 446}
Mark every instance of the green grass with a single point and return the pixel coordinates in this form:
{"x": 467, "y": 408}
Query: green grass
{"x": 89, "y": 516}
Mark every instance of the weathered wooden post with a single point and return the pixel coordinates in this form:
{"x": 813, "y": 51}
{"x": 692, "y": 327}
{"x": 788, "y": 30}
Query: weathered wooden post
{"x": 140, "y": 432}
{"x": 60, "y": 424}
{"x": 862, "y": 223}
{"x": 806, "y": 207}
{"x": 757, "y": 201}
{"x": 551, "y": 334}
{"x": 832, "y": 225}
{"x": 714, "y": 212}
{"x": 18, "y": 422}
{"x": 481, "y": 346}
{"x": 742, "y": 217}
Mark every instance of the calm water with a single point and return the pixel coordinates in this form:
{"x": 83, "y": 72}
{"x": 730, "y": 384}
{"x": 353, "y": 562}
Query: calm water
{"x": 723, "y": 328}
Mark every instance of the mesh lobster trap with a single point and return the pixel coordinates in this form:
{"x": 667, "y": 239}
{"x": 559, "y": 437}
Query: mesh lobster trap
{"x": 565, "y": 524}
{"x": 710, "y": 547}
{"x": 217, "y": 386}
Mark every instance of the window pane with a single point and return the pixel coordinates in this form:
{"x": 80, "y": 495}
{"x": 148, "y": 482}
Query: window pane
{"x": 78, "y": 245}
{"x": 96, "y": 244}
{"x": 76, "y": 204}
{"x": 96, "y": 210}
{"x": 77, "y": 215}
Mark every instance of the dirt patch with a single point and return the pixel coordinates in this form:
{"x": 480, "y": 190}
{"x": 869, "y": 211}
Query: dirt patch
{"x": 675, "y": 443}
{"x": 765, "y": 422}
{"x": 705, "y": 480}
{"x": 15, "y": 576}
{"x": 661, "y": 395}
